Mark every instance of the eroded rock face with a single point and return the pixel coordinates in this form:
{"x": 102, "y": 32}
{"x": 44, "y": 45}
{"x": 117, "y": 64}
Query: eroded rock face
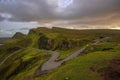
{"x": 45, "y": 43}
{"x": 53, "y": 44}
{"x": 64, "y": 45}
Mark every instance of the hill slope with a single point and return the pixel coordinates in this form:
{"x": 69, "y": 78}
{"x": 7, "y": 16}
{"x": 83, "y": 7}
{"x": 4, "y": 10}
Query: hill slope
{"x": 28, "y": 53}
{"x": 18, "y": 35}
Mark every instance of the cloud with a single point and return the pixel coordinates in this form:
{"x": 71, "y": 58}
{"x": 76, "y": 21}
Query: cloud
{"x": 5, "y": 16}
{"x": 10, "y": 28}
{"x": 49, "y": 9}
{"x": 78, "y": 14}
{"x": 5, "y": 33}
{"x": 17, "y": 25}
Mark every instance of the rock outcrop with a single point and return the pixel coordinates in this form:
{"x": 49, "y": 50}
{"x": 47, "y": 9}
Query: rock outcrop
{"x": 52, "y": 44}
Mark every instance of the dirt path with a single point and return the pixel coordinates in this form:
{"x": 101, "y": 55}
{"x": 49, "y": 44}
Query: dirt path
{"x": 52, "y": 64}
{"x": 8, "y": 57}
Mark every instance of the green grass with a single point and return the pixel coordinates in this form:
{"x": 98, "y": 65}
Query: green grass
{"x": 66, "y": 53}
{"x": 23, "y": 64}
{"x": 77, "y": 34}
{"x": 40, "y": 56}
{"x": 79, "y": 68}
{"x": 31, "y": 57}
{"x": 32, "y": 53}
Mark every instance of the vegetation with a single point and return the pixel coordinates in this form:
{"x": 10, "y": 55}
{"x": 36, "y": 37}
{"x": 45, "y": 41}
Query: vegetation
{"x": 19, "y": 35}
{"x": 31, "y": 51}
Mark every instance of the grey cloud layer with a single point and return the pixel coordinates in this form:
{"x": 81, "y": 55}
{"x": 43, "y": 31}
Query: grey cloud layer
{"x": 40, "y": 10}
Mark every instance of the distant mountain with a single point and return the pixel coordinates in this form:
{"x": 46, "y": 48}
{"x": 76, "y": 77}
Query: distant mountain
{"x": 19, "y": 35}
{"x": 3, "y": 40}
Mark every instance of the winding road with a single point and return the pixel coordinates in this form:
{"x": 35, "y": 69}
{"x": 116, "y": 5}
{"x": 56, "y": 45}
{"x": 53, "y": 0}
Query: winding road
{"x": 52, "y": 64}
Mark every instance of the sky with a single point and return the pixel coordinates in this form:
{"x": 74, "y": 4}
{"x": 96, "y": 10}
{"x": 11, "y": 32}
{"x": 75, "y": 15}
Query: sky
{"x": 22, "y": 15}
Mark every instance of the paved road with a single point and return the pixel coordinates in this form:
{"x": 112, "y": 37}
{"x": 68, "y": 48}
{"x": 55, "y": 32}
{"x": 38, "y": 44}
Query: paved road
{"x": 52, "y": 64}
{"x": 75, "y": 54}
{"x": 101, "y": 40}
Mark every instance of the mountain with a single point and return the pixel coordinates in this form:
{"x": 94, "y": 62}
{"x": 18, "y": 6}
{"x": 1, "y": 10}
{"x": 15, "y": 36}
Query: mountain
{"x": 18, "y": 35}
{"x": 23, "y": 57}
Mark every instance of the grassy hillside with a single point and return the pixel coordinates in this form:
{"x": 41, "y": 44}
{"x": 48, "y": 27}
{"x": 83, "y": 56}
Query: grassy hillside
{"x": 28, "y": 53}
{"x": 19, "y": 35}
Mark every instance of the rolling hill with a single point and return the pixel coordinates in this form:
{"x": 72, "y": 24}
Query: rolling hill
{"x": 23, "y": 56}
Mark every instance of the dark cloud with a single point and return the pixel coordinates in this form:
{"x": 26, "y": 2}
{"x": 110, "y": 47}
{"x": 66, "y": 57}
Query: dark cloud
{"x": 90, "y": 12}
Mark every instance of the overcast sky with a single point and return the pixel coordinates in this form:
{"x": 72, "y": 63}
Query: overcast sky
{"x": 21, "y": 15}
